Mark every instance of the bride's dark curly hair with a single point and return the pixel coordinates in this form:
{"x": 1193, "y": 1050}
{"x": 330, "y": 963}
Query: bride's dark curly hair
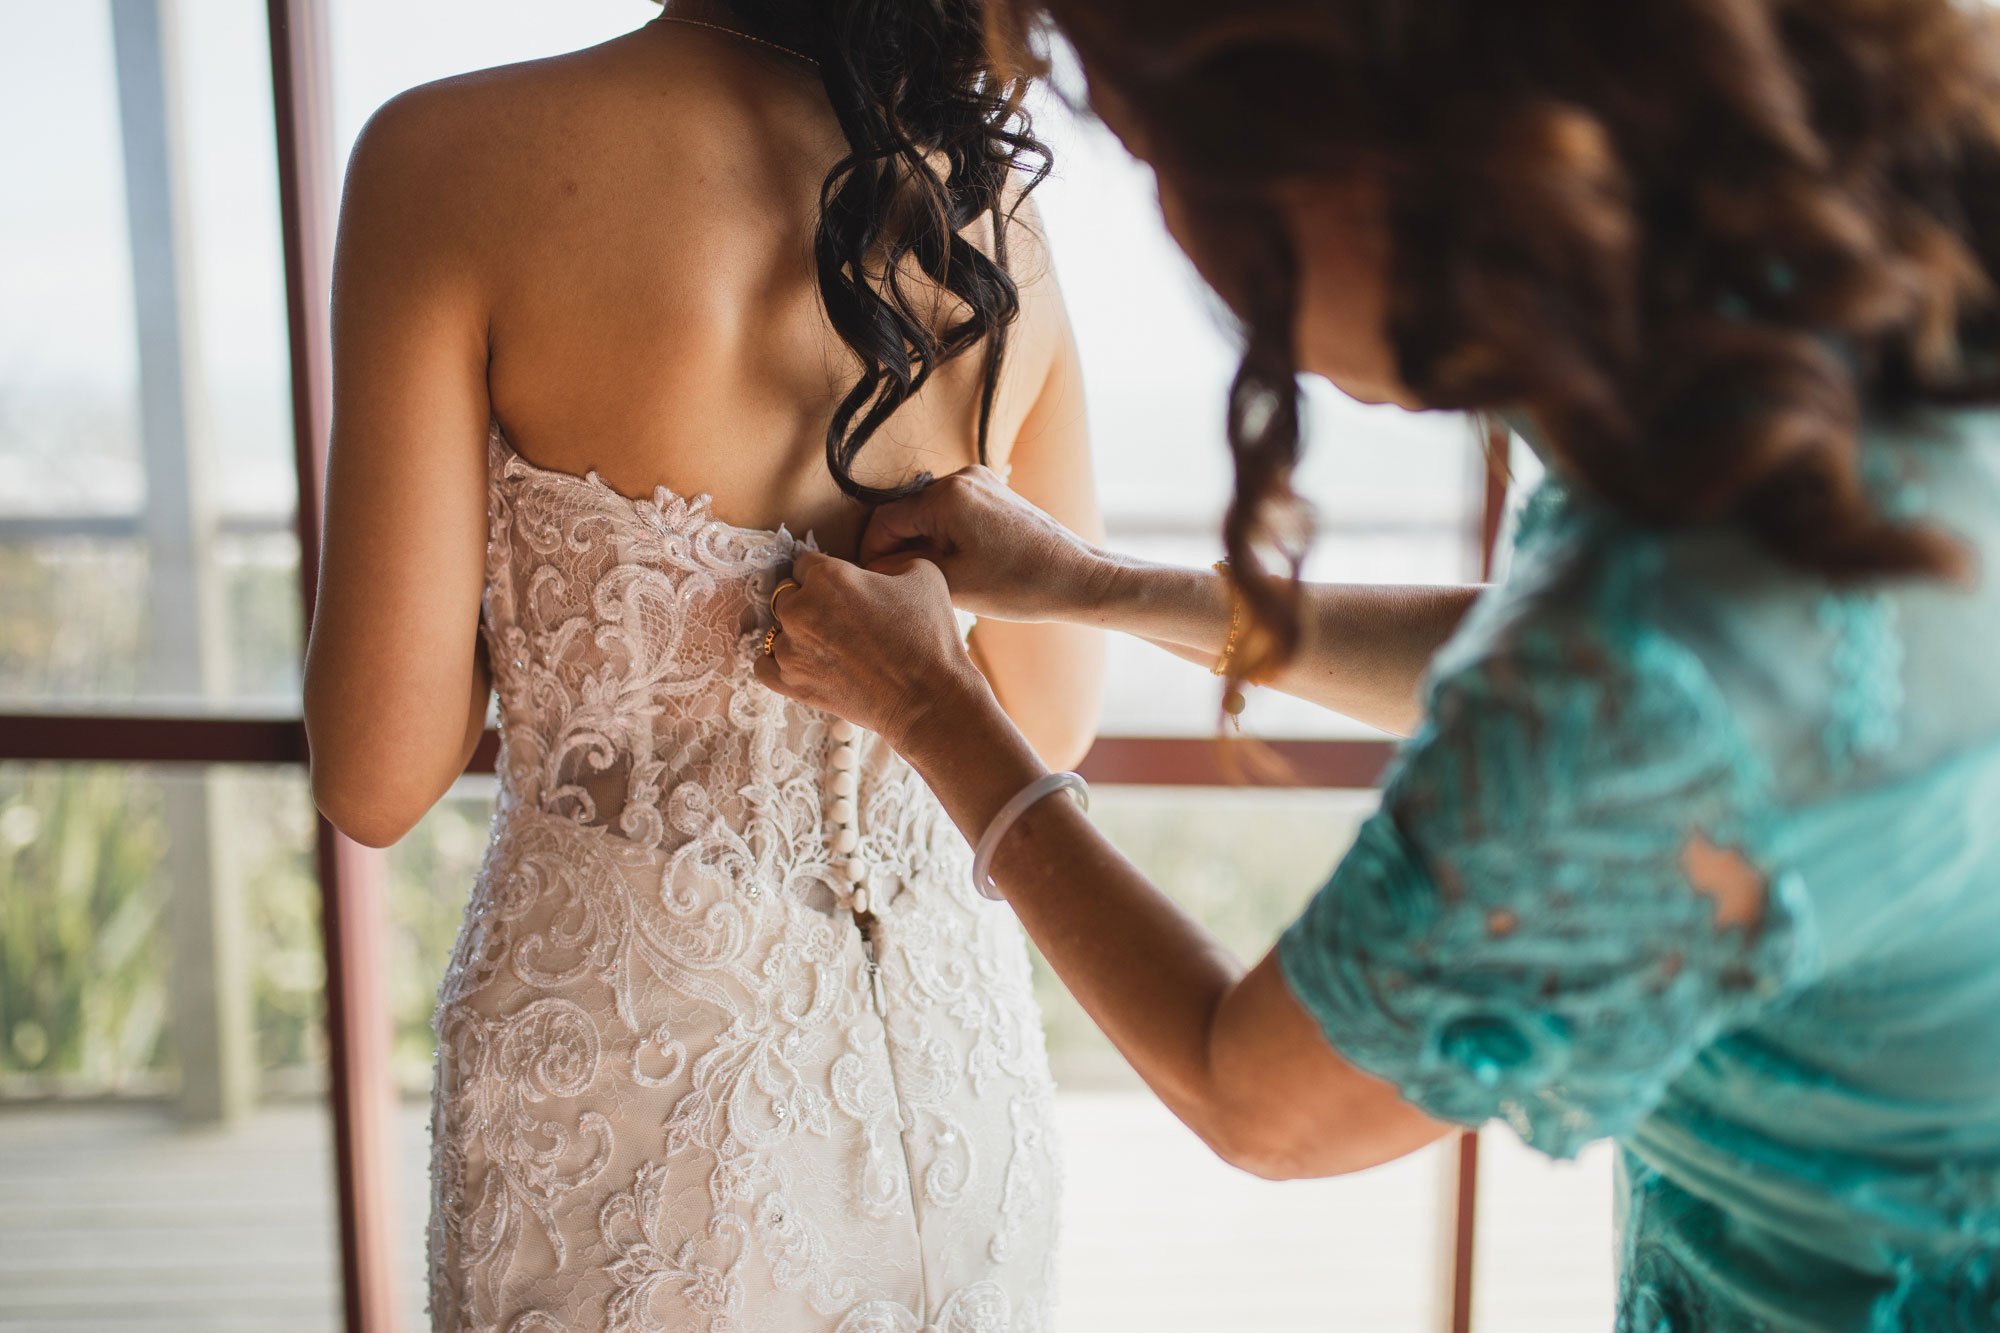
{"x": 1692, "y": 239}
{"x": 937, "y": 139}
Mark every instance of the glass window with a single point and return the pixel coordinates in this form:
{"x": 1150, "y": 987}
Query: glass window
{"x": 381, "y": 47}
{"x": 1158, "y": 1232}
{"x": 162, "y": 1060}
{"x": 1160, "y": 1235}
{"x": 146, "y": 480}
{"x": 1544, "y": 1262}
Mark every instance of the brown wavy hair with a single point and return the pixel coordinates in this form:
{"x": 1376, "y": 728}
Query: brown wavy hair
{"x": 937, "y": 139}
{"x": 1692, "y": 239}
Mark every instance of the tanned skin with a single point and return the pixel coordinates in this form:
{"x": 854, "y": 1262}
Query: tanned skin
{"x": 609, "y": 254}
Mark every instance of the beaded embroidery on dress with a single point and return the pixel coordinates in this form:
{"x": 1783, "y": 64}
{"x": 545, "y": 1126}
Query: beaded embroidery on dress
{"x": 727, "y": 1042}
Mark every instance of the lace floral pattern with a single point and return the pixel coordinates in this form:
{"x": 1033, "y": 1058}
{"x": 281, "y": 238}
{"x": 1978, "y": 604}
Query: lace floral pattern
{"x": 678, "y": 1088}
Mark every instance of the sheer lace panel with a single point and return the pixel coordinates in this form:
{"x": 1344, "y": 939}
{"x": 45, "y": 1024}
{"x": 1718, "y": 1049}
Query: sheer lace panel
{"x": 618, "y": 630}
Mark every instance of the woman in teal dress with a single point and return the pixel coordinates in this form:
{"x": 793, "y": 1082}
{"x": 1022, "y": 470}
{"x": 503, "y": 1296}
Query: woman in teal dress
{"x": 1696, "y": 842}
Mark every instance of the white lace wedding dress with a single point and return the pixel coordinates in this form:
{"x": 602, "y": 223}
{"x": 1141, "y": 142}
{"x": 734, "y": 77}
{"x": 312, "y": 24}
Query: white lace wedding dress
{"x": 727, "y": 1042}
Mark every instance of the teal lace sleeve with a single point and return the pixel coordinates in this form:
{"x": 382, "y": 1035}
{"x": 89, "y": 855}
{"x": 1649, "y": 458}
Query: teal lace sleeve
{"x": 1514, "y": 935}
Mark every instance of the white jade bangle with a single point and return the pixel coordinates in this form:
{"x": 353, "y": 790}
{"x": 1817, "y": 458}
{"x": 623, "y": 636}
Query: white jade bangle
{"x": 989, "y": 842}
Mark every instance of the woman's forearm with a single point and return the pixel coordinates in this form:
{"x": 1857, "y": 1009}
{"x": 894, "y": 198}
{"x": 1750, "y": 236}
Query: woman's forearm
{"x": 1363, "y": 650}
{"x": 1231, "y": 1055}
{"x": 1124, "y": 948}
{"x": 1234, "y": 1055}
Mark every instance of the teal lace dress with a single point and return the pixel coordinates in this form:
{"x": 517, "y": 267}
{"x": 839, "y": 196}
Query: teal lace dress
{"x": 1806, "y": 1093}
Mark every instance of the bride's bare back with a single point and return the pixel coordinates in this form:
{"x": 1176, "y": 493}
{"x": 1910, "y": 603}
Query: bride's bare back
{"x": 609, "y": 254}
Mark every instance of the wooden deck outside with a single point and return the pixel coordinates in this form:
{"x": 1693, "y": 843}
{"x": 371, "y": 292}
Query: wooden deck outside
{"x": 114, "y": 1218}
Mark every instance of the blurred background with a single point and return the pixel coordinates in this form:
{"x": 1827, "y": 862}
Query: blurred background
{"x": 167, "y": 1102}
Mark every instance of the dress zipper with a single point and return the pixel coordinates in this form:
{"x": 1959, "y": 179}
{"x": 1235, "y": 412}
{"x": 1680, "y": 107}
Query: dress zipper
{"x": 864, "y": 922}
{"x": 843, "y": 820}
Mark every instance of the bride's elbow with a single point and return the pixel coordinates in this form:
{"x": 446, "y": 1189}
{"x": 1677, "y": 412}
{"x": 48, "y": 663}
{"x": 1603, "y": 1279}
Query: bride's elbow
{"x": 1061, "y": 730}
{"x": 368, "y": 790}
{"x": 1050, "y": 681}
{"x": 375, "y": 773}
{"x": 369, "y": 813}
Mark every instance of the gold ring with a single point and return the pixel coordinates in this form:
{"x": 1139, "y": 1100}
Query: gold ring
{"x": 770, "y": 640}
{"x": 785, "y": 586}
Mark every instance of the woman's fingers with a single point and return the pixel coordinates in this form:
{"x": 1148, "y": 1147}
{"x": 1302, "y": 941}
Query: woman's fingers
{"x": 823, "y": 584}
{"x": 928, "y": 581}
{"x": 805, "y": 563}
{"x": 900, "y": 562}
{"x": 876, "y": 649}
{"x": 939, "y": 521}
{"x": 902, "y": 527}
{"x": 766, "y": 669}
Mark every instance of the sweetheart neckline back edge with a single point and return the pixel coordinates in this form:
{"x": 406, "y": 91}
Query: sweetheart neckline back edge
{"x": 702, "y": 504}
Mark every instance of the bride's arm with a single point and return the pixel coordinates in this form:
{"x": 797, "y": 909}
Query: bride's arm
{"x": 1049, "y": 677}
{"x": 395, "y": 687}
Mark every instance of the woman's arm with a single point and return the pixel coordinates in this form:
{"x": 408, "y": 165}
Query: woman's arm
{"x": 395, "y": 687}
{"x": 1233, "y": 1055}
{"x": 1049, "y": 676}
{"x": 1364, "y": 649}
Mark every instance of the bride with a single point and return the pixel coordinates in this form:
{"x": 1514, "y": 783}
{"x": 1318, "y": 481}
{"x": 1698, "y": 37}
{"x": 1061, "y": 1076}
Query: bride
{"x": 727, "y": 1041}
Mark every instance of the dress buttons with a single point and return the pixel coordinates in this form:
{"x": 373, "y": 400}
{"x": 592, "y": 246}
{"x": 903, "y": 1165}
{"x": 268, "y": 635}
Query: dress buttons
{"x": 843, "y": 832}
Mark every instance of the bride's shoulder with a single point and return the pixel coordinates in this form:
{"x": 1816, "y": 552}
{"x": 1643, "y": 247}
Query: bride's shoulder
{"x": 635, "y": 108}
{"x": 478, "y": 122}
{"x": 441, "y": 141}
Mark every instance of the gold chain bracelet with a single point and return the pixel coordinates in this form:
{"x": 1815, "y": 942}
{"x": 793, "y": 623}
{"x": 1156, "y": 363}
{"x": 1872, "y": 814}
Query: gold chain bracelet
{"x": 1233, "y": 702}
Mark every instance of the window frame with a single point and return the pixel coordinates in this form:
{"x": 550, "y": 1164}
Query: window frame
{"x": 353, "y": 879}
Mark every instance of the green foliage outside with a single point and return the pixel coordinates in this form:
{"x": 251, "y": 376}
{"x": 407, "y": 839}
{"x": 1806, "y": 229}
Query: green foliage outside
{"x": 85, "y": 954}
{"x": 83, "y": 959}
{"x": 85, "y": 962}
{"x": 85, "y": 949}
{"x": 271, "y": 822}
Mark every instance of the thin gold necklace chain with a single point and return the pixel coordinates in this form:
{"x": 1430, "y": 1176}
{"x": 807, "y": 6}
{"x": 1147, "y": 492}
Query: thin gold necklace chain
{"x": 717, "y": 27}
